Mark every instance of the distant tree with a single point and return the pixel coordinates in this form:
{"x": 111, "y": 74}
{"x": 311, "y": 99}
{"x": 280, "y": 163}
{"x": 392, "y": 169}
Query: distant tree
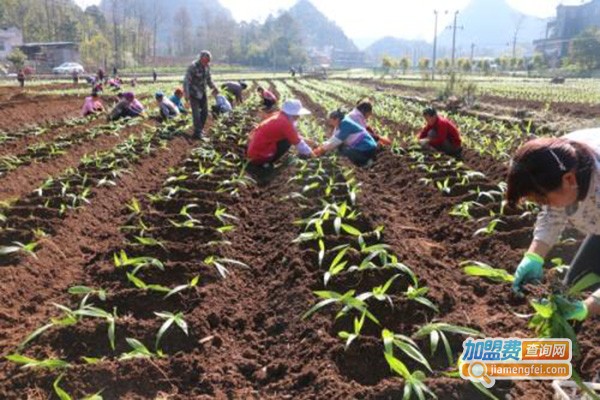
{"x": 466, "y": 65}
{"x": 585, "y": 50}
{"x": 404, "y": 64}
{"x": 96, "y": 51}
{"x": 485, "y": 67}
{"x": 424, "y": 64}
{"x": 539, "y": 61}
{"x": 388, "y": 64}
{"x": 17, "y": 58}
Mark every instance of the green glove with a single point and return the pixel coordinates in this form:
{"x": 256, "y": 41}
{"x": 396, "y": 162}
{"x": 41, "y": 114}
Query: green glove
{"x": 530, "y": 269}
{"x": 576, "y": 310}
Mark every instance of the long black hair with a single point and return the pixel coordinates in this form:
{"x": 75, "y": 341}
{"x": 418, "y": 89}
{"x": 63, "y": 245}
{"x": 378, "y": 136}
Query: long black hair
{"x": 539, "y": 166}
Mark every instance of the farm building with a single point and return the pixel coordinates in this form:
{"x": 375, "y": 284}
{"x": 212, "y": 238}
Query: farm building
{"x": 49, "y": 55}
{"x": 569, "y": 23}
{"x": 9, "y": 38}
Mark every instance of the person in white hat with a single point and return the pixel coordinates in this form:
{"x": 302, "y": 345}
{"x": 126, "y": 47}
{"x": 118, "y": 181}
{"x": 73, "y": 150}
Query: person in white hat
{"x": 274, "y": 136}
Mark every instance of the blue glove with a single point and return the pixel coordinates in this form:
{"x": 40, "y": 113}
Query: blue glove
{"x": 576, "y": 310}
{"x": 530, "y": 269}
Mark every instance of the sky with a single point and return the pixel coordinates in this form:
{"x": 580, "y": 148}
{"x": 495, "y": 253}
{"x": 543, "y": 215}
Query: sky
{"x": 380, "y": 18}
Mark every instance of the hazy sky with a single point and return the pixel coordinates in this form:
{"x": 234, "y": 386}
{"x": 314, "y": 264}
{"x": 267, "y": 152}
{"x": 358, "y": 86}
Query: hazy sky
{"x": 377, "y": 18}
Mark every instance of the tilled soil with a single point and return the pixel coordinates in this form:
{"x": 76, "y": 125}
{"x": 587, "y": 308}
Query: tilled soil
{"x": 246, "y": 335}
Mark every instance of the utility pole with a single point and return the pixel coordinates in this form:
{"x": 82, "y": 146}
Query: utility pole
{"x": 454, "y": 39}
{"x": 435, "y": 33}
{"x": 472, "y": 52}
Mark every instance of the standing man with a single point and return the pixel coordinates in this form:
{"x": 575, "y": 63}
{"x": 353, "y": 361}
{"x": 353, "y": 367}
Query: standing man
{"x": 194, "y": 86}
{"x": 21, "y": 78}
{"x": 154, "y": 75}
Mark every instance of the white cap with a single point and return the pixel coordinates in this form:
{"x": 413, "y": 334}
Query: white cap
{"x": 294, "y": 108}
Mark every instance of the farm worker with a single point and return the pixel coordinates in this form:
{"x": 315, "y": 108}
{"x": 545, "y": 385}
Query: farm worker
{"x": 352, "y": 140}
{"x": 222, "y": 106}
{"x": 440, "y": 134}
{"x": 21, "y": 78}
{"x": 128, "y": 106}
{"x": 98, "y": 88}
{"x": 75, "y": 77}
{"x": 273, "y": 137}
{"x": 562, "y": 175}
{"x": 92, "y": 105}
{"x": 167, "y": 109}
{"x": 115, "y": 71}
{"x": 194, "y": 86}
{"x": 268, "y": 98}
{"x": 154, "y": 75}
{"x": 235, "y": 90}
{"x": 361, "y": 113}
{"x": 101, "y": 74}
{"x": 177, "y": 99}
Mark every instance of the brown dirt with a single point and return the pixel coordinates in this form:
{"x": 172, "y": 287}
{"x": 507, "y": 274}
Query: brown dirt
{"x": 247, "y": 339}
{"x": 23, "y": 110}
{"x": 27, "y": 178}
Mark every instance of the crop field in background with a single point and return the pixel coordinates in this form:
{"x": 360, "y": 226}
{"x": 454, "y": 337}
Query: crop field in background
{"x": 137, "y": 263}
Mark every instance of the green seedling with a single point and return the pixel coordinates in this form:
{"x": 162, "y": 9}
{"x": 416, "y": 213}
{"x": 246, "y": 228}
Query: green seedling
{"x": 28, "y": 249}
{"x": 169, "y": 318}
{"x": 219, "y": 264}
{"x": 404, "y": 344}
{"x": 490, "y": 229}
{"x": 138, "y": 351}
{"x": 418, "y": 294}
{"x": 94, "y": 312}
{"x": 121, "y": 260}
{"x": 349, "y": 337}
{"x": 476, "y": 268}
{"x": 346, "y": 300}
{"x": 27, "y": 362}
{"x": 63, "y": 395}
{"x": 337, "y": 264}
{"x": 380, "y": 292}
{"x": 438, "y": 330}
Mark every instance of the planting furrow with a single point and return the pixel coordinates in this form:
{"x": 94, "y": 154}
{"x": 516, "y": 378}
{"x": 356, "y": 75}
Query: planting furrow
{"x": 24, "y": 179}
{"x": 79, "y": 238}
{"x": 25, "y": 110}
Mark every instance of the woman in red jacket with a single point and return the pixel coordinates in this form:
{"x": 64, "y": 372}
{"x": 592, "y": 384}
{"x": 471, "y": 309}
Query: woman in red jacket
{"x": 440, "y": 134}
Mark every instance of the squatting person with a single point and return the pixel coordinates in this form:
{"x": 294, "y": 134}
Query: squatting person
{"x": 177, "y": 99}
{"x": 128, "y": 106}
{"x": 562, "y": 175}
{"x": 361, "y": 113}
{"x": 92, "y": 105}
{"x": 235, "y": 90}
{"x": 274, "y": 136}
{"x": 269, "y": 100}
{"x": 440, "y": 134}
{"x": 351, "y": 139}
{"x": 167, "y": 109}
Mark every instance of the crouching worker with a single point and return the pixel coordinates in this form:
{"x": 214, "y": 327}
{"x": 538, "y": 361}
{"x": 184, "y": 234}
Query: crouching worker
{"x": 269, "y": 100}
{"x": 274, "y": 136}
{"x": 177, "y": 99}
{"x": 562, "y": 175}
{"x": 128, "y": 106}
{"x": 352, "y": 140}
{"x": 440, "y": 134}
{"x": 361, "y": 113}
{"x": 167, "y": 109}
{"x": 222, "y": 106}
{"x": 92, "y": 105}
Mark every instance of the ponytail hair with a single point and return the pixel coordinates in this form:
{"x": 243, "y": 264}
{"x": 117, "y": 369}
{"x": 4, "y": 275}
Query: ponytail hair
{"x": 337, "y": 114}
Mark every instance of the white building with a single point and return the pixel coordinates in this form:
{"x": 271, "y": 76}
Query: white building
{"x": 9, "y": 38}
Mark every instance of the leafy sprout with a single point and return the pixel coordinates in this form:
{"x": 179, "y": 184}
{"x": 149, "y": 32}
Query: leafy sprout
{"x": 170, "y": 318}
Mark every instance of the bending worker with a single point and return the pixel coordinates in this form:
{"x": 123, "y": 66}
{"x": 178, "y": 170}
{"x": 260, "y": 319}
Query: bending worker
{"x": 235, "y": 90}
{"x": 562, "y": 175}
{"x": 275, "y": 135}
{"x": 361, "y": 113}
{"x": 352, "y": 140}
{"x": 440, "y": 134}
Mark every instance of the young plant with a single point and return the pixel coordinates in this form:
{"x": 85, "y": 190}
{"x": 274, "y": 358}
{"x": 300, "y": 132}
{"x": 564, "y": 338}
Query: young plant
{"x": 219, "y": 264}
{"x": 417, "y": 294}
{"x": 170, "y": 318}
{"x": 19, "y": 247}
{"x": 63, "y": 395}
{"x": 138, "y": 351}
{"x": 337, "y": 264}
{"x": 94, "y": 312}
{"x": 346, "y": 300}
{"x": 27, "y": 362}
{"x": 349, "y": 337}
{"x": 405, "y": 344}
{"x": 438, "y": 330}
{"x": 490, "y": 228}
{"x": 476, "y": 268}
{"x": 121, "y": 259}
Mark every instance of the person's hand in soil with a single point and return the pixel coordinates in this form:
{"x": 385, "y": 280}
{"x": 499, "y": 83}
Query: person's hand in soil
{"x": 385, "y": 141}
{"x": 531, "y": 269}
{"x": 319, "y": 151}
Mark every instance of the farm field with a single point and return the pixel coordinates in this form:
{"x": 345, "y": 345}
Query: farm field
{"x": 138, "y": 263}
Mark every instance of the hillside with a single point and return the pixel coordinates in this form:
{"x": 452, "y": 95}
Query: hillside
{"x": 318, "y": 31}
{"x": 491, "y": 26}
{"x": 398, "y": 48}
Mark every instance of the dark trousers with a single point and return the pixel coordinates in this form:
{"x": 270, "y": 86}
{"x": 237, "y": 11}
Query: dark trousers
{"x": 450, "y": 149}
{"x": 199, "y": 113}
{"x": 268, "y": 103}
{"x": 282, "y": 147}
{"x": 359, "y": 158}
{"x": 587, "y": 260}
